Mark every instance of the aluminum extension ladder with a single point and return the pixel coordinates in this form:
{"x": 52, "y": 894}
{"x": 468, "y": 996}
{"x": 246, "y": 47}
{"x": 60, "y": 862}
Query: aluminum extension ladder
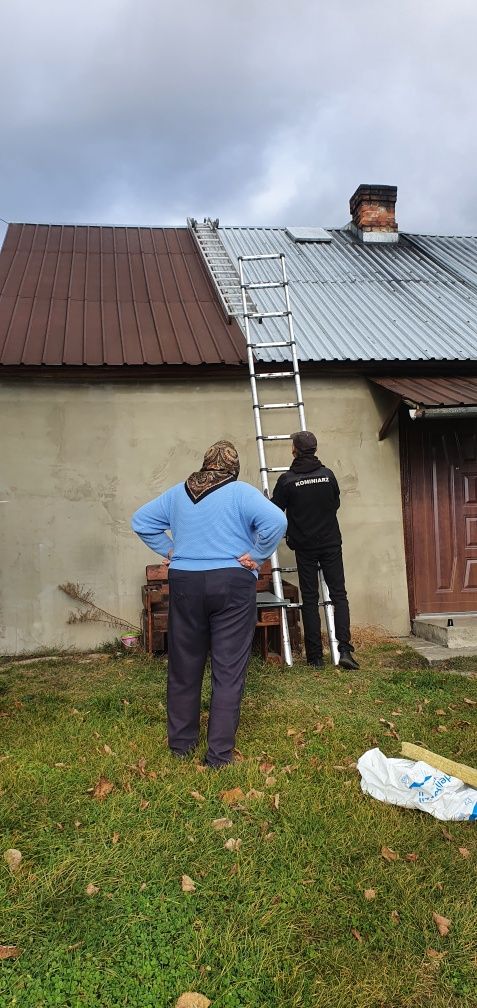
{"x": 252, "y": 316}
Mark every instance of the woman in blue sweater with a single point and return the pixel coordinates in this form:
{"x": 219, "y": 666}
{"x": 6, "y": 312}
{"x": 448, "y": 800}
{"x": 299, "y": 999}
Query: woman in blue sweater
{"x": 221, "y": 531}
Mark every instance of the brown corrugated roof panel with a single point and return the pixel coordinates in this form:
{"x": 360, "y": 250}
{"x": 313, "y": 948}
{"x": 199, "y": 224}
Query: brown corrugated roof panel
{"x": 80, "y": 295}
{"x": 442, "y": 391}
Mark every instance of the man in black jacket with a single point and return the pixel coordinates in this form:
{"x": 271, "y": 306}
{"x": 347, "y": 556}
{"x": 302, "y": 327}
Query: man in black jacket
{"x": 309, "y": 493}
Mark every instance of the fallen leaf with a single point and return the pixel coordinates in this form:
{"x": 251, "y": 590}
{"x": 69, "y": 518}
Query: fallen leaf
{"x": 432, "y": 953}
{"x": 440, "y": 711}
{"x": 107, "y": 749}
{"x": 266, "y": 768}
{"x": 411, "y": 857}
{"x": 77, "y": 824}
{"x": 446, "y": 834}
{"x": 254, "y": 794}
{"x": 91, "y": 889}
{"x": 74, "y": 946}
{"x": 463, "y": 724}
{"x": 220, "y": 824}
{"x": 187, "y": 884}
{"x": 60, "y": 765}
{"x": 269, "y": 836}
{"x": 464, "y": 851}
{"x": 389, "y": 854}
{"x": 198, "y": 796}
{"x": 152, "y": 775}
{"x": 13, "y": 858}
{"x": 233, "y": 796}
{"x": 193, "y": 1000}
{"x": 287, "y": 769}
{"x": 442, "y": 924}
{"x": 276, "y": 801}
{"x": 143, "y": 804}
{"x": 356, "y": 935}
{"x": 369, "y": 894}
{"x": 10, "y": 951}
{"x": 318, "y": 728}
{"x": 238, "y": 756}
{"x": 234, "y": 869}
{"x": 270, "y": 781}
{"x": 233, "y": 844}
{"x": 102, "y": 789}
{"x": 143, "y": 886}
{"x": 441, "y": 728}
{"x": 115, "y": 838}
{"x": 291, "y": 731}
{"x": 315, "y": 763}
{"x": 395, "y": 917}
{"x": 470, "y": 703}
{"x": 439, "y": 886}
{"x": 59, "y": 825}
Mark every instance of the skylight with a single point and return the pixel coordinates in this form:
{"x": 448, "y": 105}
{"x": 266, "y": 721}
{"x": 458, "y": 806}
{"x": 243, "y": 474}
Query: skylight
{"x": 308, "y": 234}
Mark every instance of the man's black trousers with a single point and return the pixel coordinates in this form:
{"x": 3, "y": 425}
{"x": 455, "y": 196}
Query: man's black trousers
{"x": 216, "y": 611}
{"x": 330, "y": 560}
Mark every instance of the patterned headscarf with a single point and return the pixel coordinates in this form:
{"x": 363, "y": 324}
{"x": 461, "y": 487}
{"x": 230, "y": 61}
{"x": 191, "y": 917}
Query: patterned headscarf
{"x": 220, "y": 466}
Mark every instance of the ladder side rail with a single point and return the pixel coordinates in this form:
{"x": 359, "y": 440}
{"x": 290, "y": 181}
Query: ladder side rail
{"x": 223, "y": 304}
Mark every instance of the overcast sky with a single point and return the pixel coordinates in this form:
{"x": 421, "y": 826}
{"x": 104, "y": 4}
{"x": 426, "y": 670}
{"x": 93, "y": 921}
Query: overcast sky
{"x": 255, "y": 111}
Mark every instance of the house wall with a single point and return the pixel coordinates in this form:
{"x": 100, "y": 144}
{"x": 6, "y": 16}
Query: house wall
{"x": 78, "y": 459}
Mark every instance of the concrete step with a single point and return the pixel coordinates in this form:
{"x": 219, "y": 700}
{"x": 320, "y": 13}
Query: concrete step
{"x": 463, "y": 633}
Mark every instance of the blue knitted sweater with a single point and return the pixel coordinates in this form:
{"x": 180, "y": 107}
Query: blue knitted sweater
{"x": 213, "y": 533}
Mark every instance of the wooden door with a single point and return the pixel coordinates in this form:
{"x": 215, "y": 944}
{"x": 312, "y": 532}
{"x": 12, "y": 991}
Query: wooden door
{"x": 440, "y": 510}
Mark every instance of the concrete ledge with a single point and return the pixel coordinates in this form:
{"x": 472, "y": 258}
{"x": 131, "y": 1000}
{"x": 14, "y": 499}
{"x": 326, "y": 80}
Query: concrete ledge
{"x": 463, "y": 634}
{"x": 435, "y": 654}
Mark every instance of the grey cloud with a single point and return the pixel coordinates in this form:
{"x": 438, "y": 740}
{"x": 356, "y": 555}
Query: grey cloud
{"x": 265, "y": 112}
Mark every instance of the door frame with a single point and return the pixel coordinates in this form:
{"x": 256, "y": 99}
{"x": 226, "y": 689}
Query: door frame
{"x": 405, "y": 428}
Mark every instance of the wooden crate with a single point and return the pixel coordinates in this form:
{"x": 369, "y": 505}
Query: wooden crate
{"x": 158, "y": 640}
{"x": 155, "y": 595}
{"x": 157, "y": 572}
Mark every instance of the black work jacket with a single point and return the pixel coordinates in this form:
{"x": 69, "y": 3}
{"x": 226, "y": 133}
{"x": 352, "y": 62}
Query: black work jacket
{"x": 310, "y": 495}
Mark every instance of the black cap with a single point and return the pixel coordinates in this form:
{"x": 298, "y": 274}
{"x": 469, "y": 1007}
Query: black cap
{"x": 305, "y": 442}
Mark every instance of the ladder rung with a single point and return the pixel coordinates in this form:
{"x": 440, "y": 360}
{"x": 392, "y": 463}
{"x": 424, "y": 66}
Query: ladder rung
{"x": 277, "y": 343}
{"x": 257, "y": 258}
{"x": 268, "y": 314}
{"x": 263, "y": 286}
{"x": 278, "y": 468}
{"x": 278, "y": 405}
{"x": 275, "y": 374}
{"x": 285, "y": 570}
{"x": 274, "y": 437}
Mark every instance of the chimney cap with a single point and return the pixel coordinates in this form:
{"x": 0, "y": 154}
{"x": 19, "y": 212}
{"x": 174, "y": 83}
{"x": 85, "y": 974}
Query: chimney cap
{"x": 374, "y": 194}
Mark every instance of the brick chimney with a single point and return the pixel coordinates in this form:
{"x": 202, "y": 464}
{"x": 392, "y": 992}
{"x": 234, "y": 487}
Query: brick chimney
{"x": 373, "y": 213}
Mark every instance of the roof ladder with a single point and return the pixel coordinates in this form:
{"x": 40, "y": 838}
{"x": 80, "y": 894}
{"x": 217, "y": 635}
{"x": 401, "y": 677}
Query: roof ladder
{"x": 220, "y": 267}
{"x": 283, "y": 315}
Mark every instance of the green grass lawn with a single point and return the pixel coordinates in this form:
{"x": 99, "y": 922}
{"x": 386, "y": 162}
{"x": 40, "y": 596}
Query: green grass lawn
{"x": 283, "y": 921}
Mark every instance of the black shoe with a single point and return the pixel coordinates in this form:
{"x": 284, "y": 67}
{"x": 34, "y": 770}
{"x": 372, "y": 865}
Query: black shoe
{"x": 347, "y": 661}
{"x": 178, "y": 754}
{"x": 316, "y": 663}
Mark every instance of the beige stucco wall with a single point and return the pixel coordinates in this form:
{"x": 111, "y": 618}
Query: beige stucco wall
{"x": 76, "y": 460}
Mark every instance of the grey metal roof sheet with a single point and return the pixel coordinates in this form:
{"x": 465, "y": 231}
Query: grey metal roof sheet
{"x": 412, "y": 300}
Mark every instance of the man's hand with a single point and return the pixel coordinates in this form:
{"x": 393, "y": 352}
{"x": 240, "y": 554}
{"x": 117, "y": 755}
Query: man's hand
{"x": 168, "y": 558}
{"x": 247, "y": 562}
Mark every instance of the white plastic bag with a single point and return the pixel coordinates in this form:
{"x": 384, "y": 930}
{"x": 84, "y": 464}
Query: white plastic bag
{"x": 416, "y": 785}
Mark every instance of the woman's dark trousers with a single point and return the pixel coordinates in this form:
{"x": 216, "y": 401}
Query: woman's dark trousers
{"x": 331, "y": 563}
{"x": 216, "y": 611}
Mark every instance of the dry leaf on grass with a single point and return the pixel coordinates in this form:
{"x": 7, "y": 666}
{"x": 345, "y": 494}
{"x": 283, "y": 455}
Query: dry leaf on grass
{"x": 234, "y": 870}
{"x": 238, "y": 756}
{"x": 115, "y": 838}
{"x": 193, "y": 1000}
{"x": 233, "y": 844}
{"x": 13, "y": 858}
{"x": 102, "y": 789}
{"x": 10, "y": 951}
{"x": 440, "y": 711}
{"x": 443, "y": 924}
{"x": 254, "y": 794}
{"x": 447, "y": 835}
{"x": 266, "y": 768}
{"x": 432, "y": 953}
{"x": 470, "y": 703}
{"x": 220, "y": 824}
{"x": 143, "y": 804}
{"x": 411, "y": 857}
{"x": 464, "y": 852}
{"x": 187, "y": 884}
{"x": 276, "y": 801}
{"x": 389, "y": 855}
{"x": 198, "y": 796}
{"x": 395, "y": 917}
{"x": 107, "y": 749}
{"x": 291, "y": 731}
{"x": 269, "y": 836}
{"x": 233, "y": 796}
{"x": 270, "y": 781}
{"x": 369, "y": 894}
{"x": 91, "y": 889}
{"x": 356, "y": 934}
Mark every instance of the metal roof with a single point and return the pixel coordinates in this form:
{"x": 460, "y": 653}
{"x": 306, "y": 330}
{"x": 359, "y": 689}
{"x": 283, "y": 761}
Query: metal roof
{"x": 413, "y": 300}
{"x": 444, "y": 391}
{"x": 102, "y": 295}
